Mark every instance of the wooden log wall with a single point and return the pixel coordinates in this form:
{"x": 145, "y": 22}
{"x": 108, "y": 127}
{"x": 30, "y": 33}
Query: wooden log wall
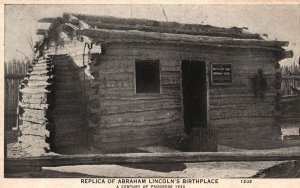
{"x": 244, "y": 120}
{"x": 129, "y": 116}
{"x": 86, "y": 88}
{"x": 132, "y": 120}
{"x": 119, "y": 118}
{"x": 69, "y": 125}
{"x": 128, "y": 119}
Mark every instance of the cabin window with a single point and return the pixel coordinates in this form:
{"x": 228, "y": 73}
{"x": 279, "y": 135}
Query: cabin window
{"x": 147, "y": 76}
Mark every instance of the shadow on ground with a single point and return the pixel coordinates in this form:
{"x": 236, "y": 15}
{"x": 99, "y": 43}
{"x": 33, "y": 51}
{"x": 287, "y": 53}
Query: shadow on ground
{"x": 49, "y": 174}
{"x": 289, "y": 169}
{"x": 158, "y": 167}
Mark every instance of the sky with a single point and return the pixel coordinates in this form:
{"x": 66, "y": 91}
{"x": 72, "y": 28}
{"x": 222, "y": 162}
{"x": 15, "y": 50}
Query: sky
{"x": 281, "y": 22}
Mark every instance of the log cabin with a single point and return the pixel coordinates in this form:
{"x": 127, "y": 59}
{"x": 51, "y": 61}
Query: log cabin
{"x": 123, "y": 83}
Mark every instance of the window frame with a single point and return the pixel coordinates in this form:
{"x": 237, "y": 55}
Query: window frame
{"x": 159, "y": 73}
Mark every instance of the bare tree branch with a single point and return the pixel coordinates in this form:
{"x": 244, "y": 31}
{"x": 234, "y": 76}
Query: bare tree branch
{"x": 164, "y": 13}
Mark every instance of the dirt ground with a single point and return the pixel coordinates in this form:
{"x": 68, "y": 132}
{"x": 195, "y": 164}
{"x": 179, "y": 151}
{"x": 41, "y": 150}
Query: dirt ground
{"x": 204, "y": 169}
{"x": 259, "y": 169}
{"x": 196, "y": 170}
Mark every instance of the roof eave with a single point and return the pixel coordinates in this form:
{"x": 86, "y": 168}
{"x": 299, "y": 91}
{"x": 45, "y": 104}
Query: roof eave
{"x": 133, "y": 35}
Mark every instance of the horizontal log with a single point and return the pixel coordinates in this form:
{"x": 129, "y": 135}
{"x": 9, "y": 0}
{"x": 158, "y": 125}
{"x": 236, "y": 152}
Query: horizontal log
{"x": 111, "y": 131}
{"x": 243, "y": 106}
{"x": 158, "y": 134}
{"x": 127, "y": 146}
{"x": 42, "y": 65}
{"x": 257, "y": 134}
{"x": 28, "y": 95}
{"x": 170, "y": 68}
{"x": 27, "y": 124}
{"x": 137, "y": 97}
{"x": 42, "y": 68}
{"x": 293, "y": 99}
{"x": 246, "y": 95}
{"x": 141, "y": 116}
{"x": 116, "y": 86}
{"x": 290, "y": 77}
{"x": 167, "y": 74}
{"x": 34, "y": 101}
{"x": 167, "y": 129}
{"x": 15, "y": 76}
{"x": 238, "y": 98}
{"x": 135, "y": 101}
{"x": 172, "y": 55}
{"x": 136, "y": 109}
{"x": 234, "y": 113}
{"x": 75, "y": 110}
{"x": 35, "y": 106}
{"x": 37, "y": 120}
{"x": 111, "y": 71}
{"x": 117, "y": 35}
{"x": 34, "y": 91}
{"x": 39, "y": 73}
{"x": 35, "y": 84}
{"x": 127, "y": 65}
{"x": 286, "y": 54}
{"x": 33, "y": 140}
{"x": 117, "y": 77}
{"x": 243, "y": 121}
{"x": 35, "y": 132}
{"x": 68, "y": 117}
{"x": 237, "y": 91}
{"x": 43, "y": 61}
{"x": 69, "y": 139}
{"x": 244, "y": 128}
{"x": 61, "y": 133}
{"x": 140, "y": 106}
{"x": 151, "y": 121}
{"x": 24, "y": 164}
{"x": 34, "y": 113}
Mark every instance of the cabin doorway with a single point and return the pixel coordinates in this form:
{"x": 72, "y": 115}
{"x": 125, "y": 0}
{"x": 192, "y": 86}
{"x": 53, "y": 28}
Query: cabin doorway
{"x": 194, "y": 92}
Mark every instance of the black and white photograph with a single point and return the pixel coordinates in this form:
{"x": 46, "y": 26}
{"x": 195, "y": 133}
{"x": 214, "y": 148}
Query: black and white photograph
{"x": 158, "y": 94}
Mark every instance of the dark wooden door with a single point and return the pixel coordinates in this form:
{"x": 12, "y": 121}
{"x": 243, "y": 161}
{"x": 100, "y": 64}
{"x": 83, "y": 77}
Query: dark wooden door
{"x": 194, "y": 94}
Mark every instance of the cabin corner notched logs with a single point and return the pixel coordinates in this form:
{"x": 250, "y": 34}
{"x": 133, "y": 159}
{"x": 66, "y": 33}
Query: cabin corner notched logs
{"x": 34, "y": 105}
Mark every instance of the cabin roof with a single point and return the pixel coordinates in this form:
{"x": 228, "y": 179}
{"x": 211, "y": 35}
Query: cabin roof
{"x": 145, "y": 25}
{"x": 106, "y": 29}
